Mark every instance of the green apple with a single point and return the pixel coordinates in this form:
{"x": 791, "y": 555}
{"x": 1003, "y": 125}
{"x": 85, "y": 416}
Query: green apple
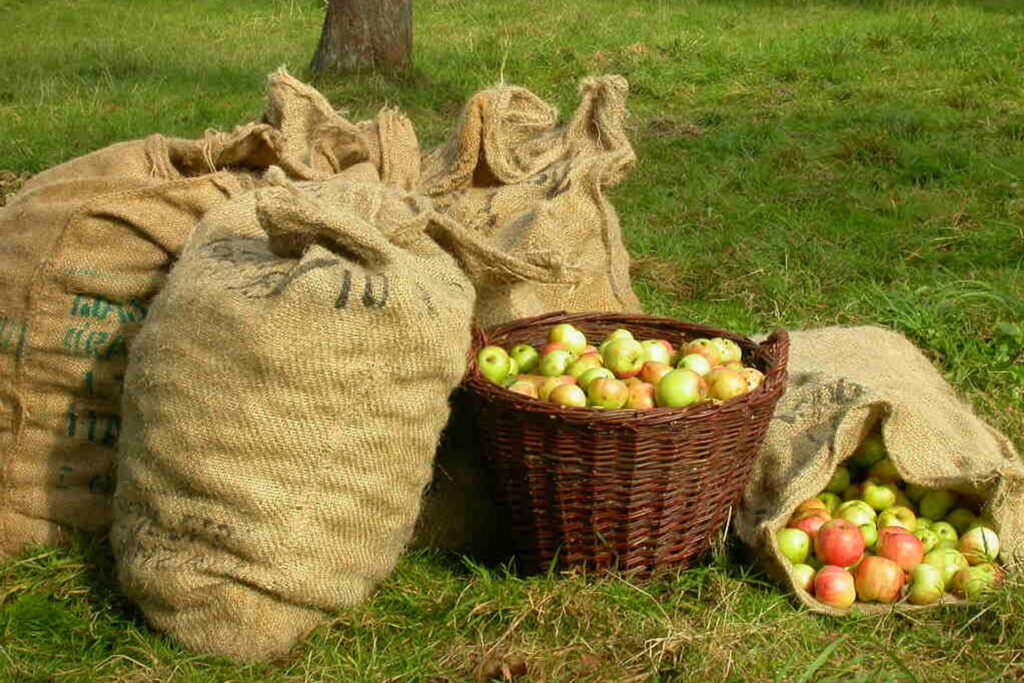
{"x": 622, "y": 357}
{"x": 852, "y": 492}
{"x": 870, "y": 533}
{"x": 897, "y": 515}
{"x": 936, "y": 504}
{"x": 617, "y": 334}
{"x": 552, "y": 383}
{"x": 524, "y": 387}
{"x": 926, "y": 585}
{"x": 573, "y": 339}
{"x": 555, "y": 363}
{"x": 725, "y": 383}
{"x": 831, "y": 501}
{"x": 493, "y": 362}
{"x": 878, "y": 495}
{"x": 794, "y": 544}
{"x": 582, "y": 364}
{"x": 884, "y": 471}
{"x": 526, "y": 356}
{"x": 948, "y": 561}
{"x": 656, "y": 350}
{"x": 728, "y": 350}
{"x": 915, "y": 493}
{"x": 972, "y": 583}
{"x": 856, "y": 511}
{"x": 568, "y": 395}
{"x": 980, "y": 545}
{"x": 695, "y": 362}
{"x": 928, "y": 539}
{"x": 703, "y": 347}
{"x": 652, "y": 372}
{"x": 870, "y": 451}
{"x": 924, "y": 523}
{"x": 610, "y": 394}
{"x": 840, "y": 480}
{"x": 803, "y": 576}
{"x": 590, "y": 375}
{"x": 961, "y": 519}
{"x": 946, "y": 533}
{"x": 903, "y": 501}
{"x": 755, "y": 377}
{"x": 678, "y": 388}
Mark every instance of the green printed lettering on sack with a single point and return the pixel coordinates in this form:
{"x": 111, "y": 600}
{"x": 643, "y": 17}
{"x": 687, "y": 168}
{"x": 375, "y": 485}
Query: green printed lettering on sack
{"x": 98, "y": 308}
{"x": 13, "y": 332}
{"x": 90, "y": 343}
{"x": 94, "y": 428}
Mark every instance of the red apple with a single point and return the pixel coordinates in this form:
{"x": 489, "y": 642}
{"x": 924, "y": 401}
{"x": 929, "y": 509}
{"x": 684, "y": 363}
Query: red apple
{"x": 550, "y": 383}
{"x": 641, "y": 396}
{"x": 879, "y": 579}
{"x": 835, "y": 586}
{"x": 535, "y": 380}
{"x": 904, "y": 549}
{"x": 652, "y": 371}
{"x": 839, "y": 542}
{"x": 809, "y": 522}
{"x": 811, "y": 504}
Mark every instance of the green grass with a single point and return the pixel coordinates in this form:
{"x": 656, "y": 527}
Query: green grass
{"x": 801, "y": 163}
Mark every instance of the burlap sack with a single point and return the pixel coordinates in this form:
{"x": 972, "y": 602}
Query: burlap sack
{"x": 83, "y": 249}
{"x": 283, "y": 405}
{"x": 843, "y": 382}
{"x": 540, "y": 235}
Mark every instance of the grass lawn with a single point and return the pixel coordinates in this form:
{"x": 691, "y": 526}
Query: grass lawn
{"x": 801, "y": 163}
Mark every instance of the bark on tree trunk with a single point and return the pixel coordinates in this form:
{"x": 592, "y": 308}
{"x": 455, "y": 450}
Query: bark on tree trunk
{"x": 365, "y": 34}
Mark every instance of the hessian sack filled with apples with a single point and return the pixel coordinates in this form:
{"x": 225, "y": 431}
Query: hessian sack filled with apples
{"x": 83, "y": 249}
{"x": 845, "y": 383}
{"x": 283, "y": 405}
{"x": 539, "y": 233}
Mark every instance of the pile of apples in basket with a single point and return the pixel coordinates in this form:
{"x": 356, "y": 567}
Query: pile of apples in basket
{"x": 871, "y": 537}
{"x": 622, "y": 372}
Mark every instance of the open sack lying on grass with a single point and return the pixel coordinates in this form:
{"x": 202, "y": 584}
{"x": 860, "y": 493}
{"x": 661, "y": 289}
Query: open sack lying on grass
{"x": 845, "y": 382}
{"x": 283, "y": 405}
{"x": 83, "y": 249}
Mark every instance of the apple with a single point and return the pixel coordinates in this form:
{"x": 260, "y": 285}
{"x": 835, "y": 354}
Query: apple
{"x": 656, "y": 350}
{"x": 493, "y": 362}
{"x": 754, "y": 377}
{"x": 553, "y": 346}
{"x": 838, "y": 542}
{"x": 974, "y": 582}
{"x": 513, "y": 370}
{"x": 936, "y": 504}
{"x": 582, "y": 364}
{"x": 535, "y": 380}
{"x": 870, "y": 534}
{"x": 903, "y": 501}
{"x": 572, "y": 338}
{"x": 948, "y": 561}
{"x": 794, "y": 544}
{"x": 610, "y": 394}
{"x": 652, "y": 371}
{"x": 622, "y": 357}
{"x": 879, "y": 579}
{"x": 615, "y": 335}
{"x": 926, "y": 585}
{"x": 961, "y": 519}
{"x": 924, "y": 523}
{"x": 524, "y": 387}
{"x": 915, "y": 493}
{"x": 568, "y": 395}
{"x": 884, "y": 471}
{"x": 678, "y": 388}
{"x": 831, "y": 501}
{"x": 840, "y": 480}
{"x": 852, "y": 492}
{"x": 803, "y": 576}
{"x": 728, "y": 350}
{"x": 726, "y": 383}
{"x": 906, "y": 550}
{"x": 835, "y": 586}
{"x": 928, "y": 539}
{"x": 948, "y": 537}
{"x": 979, "y": 545}
{"x": 554, "y": 363}
{"x": 549, "y": 385}
{"x": 897, "y": 515}
{"x": 588, "y": 349}
{"x": 810, "y": 504}
{"x": 705, "y": 348}
{"x": 870, "y": 451}
{"x": 695, "y": 362}
{"x": 594, "y": 373}
{"x": 526, "y": 356}
{"x": 809, "y": 522}
{"x": 641, "y": 396}
{"x": 857, "y": 511}
{"x": 878, "y": 495}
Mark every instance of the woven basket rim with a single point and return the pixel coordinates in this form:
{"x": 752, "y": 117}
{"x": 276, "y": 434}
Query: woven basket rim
{"x": 771, "y": 352}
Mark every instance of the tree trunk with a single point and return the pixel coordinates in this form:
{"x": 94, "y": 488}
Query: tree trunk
{"x": 365, "y": 34}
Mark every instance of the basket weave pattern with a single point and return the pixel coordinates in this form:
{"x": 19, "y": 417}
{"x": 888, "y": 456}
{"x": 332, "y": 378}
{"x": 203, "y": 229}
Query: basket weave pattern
{"x": 625, "y": 489}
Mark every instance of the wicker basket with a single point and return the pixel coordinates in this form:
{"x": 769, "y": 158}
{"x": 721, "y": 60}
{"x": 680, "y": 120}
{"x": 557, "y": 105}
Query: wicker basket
{"x": 633, "y": 490}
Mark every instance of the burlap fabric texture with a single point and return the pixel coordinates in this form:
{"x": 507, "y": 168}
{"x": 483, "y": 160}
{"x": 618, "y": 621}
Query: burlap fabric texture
{"x": 843, "y": 382}
{"x": 83, "y": 249}
{"x": 283, "y": 404}
{"x": 540, "y": 234}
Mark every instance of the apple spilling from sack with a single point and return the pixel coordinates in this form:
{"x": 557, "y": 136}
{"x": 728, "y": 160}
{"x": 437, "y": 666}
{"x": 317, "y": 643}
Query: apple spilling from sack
{"x": 622, "y": 371}
{"x": 872, "y": 537}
